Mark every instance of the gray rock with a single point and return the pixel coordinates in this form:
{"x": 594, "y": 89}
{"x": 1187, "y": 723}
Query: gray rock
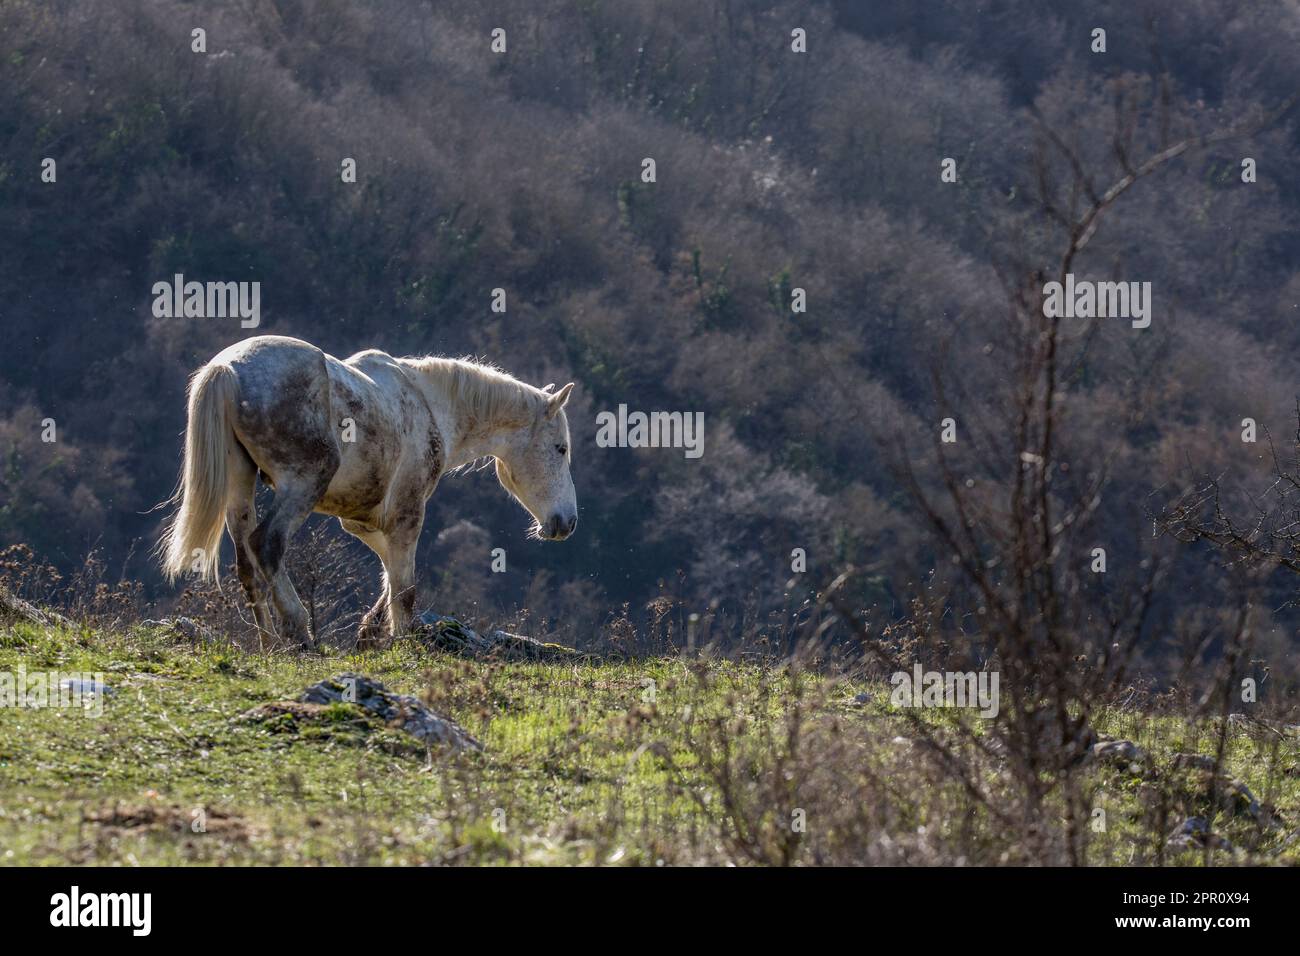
{"x": 1263, "y": 726}
{"x": 1118, "y": 753}
{"x": 1191, "y": 827}
{"x": 1237, "y": 798}
{"x": 1193, "y": 761}
{"x": 448, "y": 634}
{"x": 79, "y": 685}
{"x": 400, "y": 710}
{"x": 14, "y": 608}
{"x": 1193, "y": 833}
{"x": 187, "y": 627}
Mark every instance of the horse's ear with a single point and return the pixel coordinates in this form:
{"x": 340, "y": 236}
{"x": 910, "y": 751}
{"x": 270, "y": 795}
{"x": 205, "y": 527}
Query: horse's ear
{"x": 547, "y": 388}
{"x": 558, "y": 400}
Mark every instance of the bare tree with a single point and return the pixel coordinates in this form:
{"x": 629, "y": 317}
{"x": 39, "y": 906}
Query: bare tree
{"x": 1016, "y": 525}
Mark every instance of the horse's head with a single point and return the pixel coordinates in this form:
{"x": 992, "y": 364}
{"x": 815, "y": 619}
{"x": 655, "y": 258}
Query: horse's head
{"x": 533, "y": 466}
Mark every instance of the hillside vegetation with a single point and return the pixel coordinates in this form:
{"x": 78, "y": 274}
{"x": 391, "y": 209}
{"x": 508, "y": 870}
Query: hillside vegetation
{"x": 776, "y": 171}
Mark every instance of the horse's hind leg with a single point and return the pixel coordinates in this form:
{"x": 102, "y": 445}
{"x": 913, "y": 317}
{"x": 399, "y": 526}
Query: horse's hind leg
{"x": 294, "y": 501}
{"x": 284, "y": 419}
{"x": 241, "y": 517}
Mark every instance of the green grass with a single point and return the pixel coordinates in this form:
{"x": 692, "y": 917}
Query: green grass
{"x": 580, "y": 765}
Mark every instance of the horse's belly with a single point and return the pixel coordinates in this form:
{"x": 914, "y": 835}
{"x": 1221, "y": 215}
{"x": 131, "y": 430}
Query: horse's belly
{"x": 357, "y": 490}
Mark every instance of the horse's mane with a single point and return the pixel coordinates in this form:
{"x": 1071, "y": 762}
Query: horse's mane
{"x": 482, "y": 392}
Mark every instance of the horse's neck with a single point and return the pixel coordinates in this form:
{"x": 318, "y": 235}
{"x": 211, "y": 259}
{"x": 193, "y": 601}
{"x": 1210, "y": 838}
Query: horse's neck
{"x": 470, "y": 444}
{"x": 466, "y": 437}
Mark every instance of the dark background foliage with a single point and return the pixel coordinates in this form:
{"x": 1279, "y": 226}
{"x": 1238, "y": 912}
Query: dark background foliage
{"x": 521, "y": 171}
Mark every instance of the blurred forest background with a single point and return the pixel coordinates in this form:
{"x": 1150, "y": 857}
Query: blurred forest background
{"x": 775, "y": 170}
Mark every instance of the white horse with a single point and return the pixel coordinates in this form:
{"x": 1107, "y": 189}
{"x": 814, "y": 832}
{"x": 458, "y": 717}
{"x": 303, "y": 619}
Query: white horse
{"x": 365, "y": 440}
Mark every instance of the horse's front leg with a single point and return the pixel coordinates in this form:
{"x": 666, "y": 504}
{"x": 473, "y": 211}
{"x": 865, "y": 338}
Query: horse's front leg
{"x": 372, "y": 623}
{"x": 401, "y": 593}
{"x": 399, "y": 567}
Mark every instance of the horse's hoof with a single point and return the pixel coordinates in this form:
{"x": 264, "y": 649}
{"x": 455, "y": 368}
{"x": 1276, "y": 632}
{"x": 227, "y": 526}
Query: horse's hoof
{"x": 369, "y": 635}
{"x": 301, "y": 640}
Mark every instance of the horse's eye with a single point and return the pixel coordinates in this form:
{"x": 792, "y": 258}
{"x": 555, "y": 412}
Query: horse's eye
{"x": 561, "y": 449}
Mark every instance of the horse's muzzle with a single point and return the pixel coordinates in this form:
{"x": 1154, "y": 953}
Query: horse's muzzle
{"x": 559, "y": 528}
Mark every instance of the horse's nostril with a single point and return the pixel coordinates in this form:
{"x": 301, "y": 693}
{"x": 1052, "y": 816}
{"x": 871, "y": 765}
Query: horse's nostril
{"x": 558, "y": 528}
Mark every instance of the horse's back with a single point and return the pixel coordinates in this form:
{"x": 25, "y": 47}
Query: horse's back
{"x": 371, "y": 389}
{"x": 395, "y": 455}
{"x": 346, "y": 427}
{"x": 265, "y": 354}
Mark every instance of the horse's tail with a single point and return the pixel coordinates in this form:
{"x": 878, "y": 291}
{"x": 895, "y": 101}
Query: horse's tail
{"x": 192, "y": 542}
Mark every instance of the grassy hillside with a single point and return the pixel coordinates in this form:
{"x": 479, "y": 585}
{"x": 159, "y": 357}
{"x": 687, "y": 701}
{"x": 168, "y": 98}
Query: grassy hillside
{"x": 660, "y": 761}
